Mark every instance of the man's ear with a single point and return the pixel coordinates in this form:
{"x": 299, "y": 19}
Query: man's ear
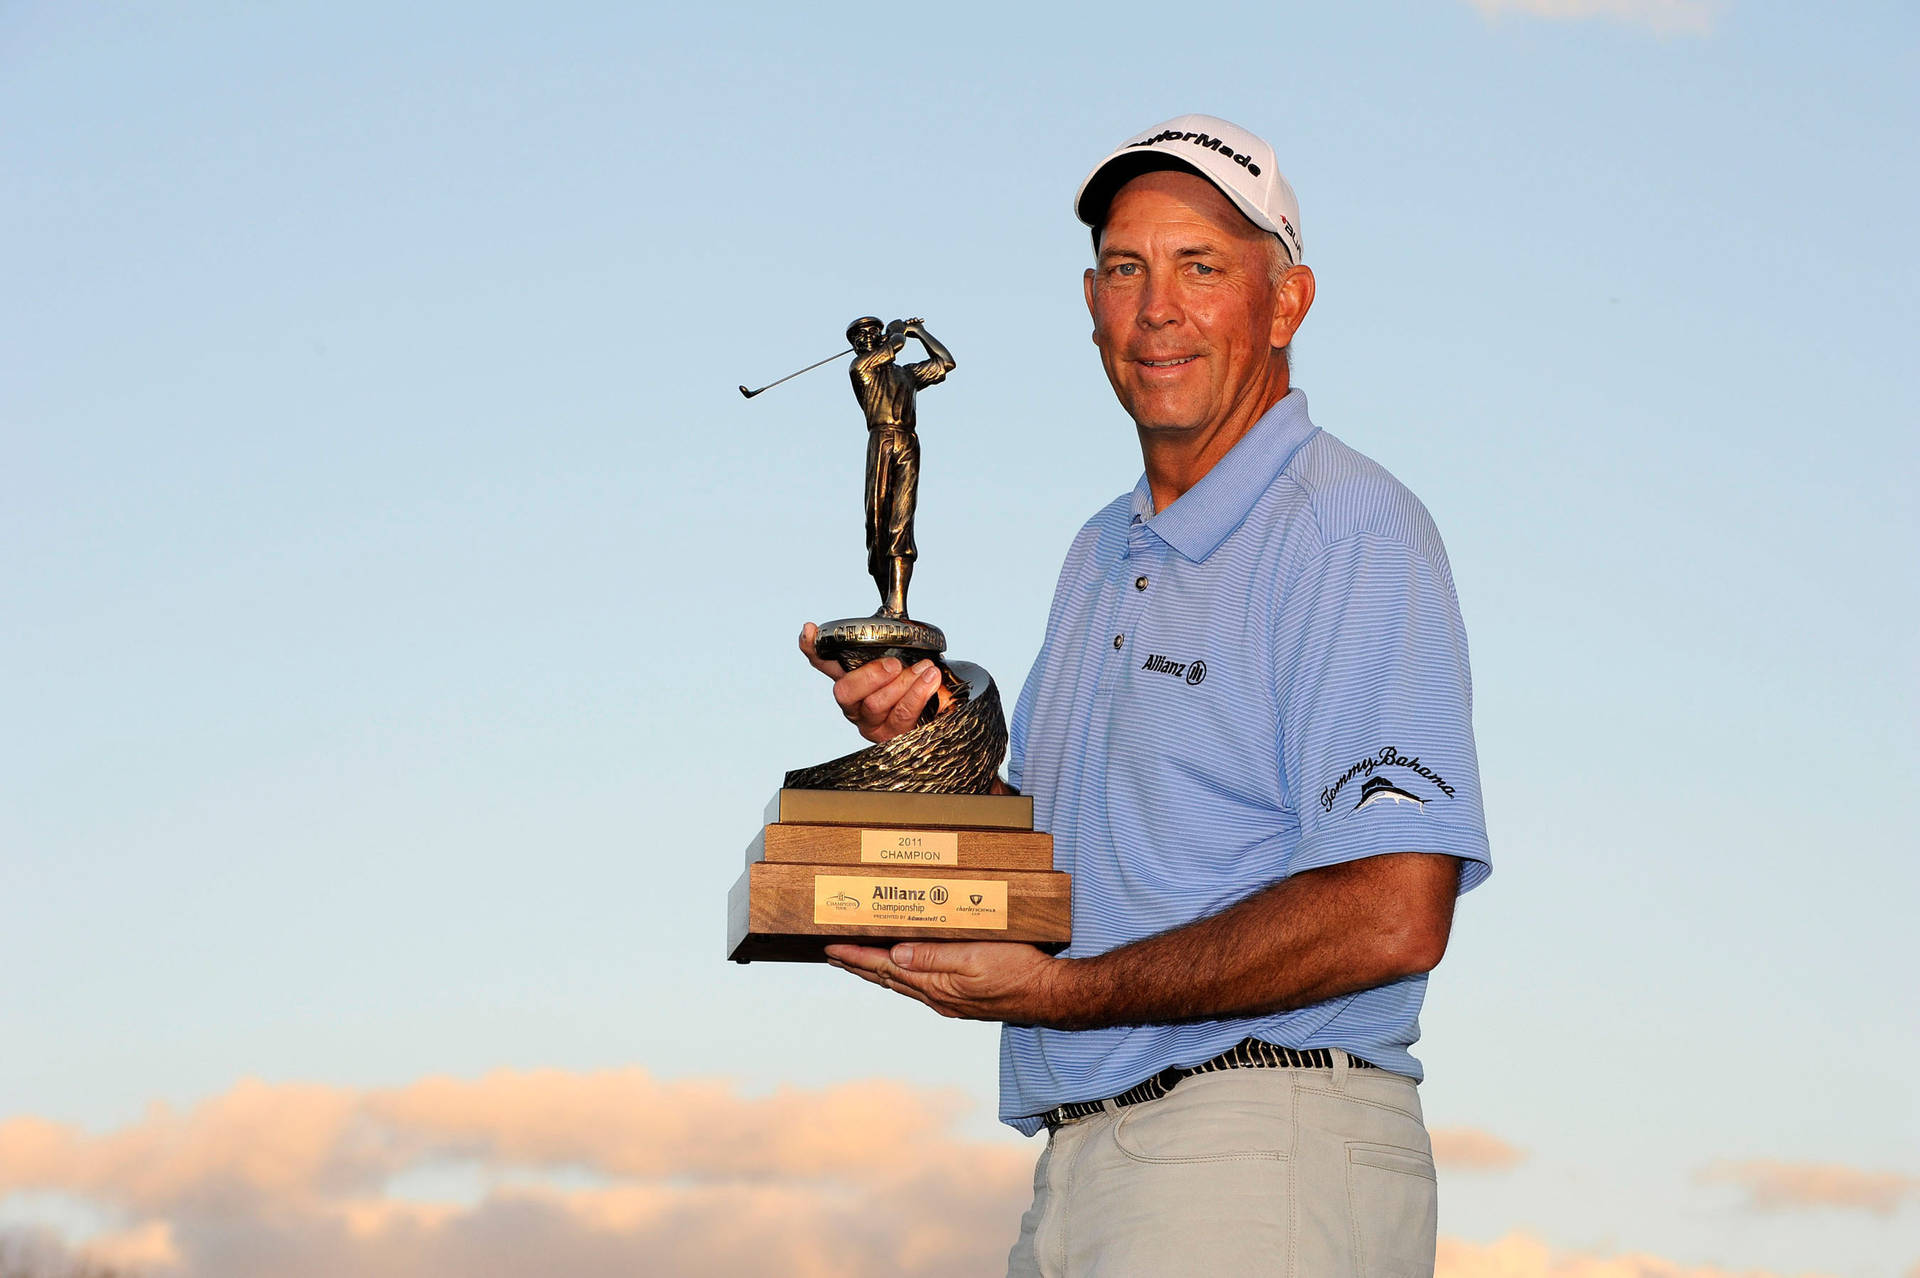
{"x": 1086, "y": 286}
{"x": 1293, "y": 298}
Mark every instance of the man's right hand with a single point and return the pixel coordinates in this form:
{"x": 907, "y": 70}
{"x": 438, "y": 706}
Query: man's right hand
{"x": 881, "y": 698}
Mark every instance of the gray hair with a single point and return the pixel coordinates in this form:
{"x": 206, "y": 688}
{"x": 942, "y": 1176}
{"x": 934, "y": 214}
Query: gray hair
{"x": 1279, "y": 261}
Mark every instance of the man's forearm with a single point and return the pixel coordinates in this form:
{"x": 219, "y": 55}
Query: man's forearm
{"x": 935, "y": 349}
{"x": 1316, "y": 936}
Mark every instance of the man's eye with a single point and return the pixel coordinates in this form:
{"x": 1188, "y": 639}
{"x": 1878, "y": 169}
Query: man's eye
{"x": 1201, "y": 268}
{"x": 1126, "y": 268}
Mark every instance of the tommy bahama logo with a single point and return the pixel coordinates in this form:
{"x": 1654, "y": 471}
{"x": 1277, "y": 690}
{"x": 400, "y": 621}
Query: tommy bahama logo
{"x": 1389, "y": 757}
{"x": 1192, "y": 671}
{"x": 1381, "y": 790}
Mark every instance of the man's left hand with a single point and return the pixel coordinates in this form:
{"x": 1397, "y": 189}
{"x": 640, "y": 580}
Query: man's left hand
{"x": 976, "y": 980}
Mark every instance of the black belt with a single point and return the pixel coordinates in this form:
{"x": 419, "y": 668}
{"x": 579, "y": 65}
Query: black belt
{"x": 1249, "y": 1053}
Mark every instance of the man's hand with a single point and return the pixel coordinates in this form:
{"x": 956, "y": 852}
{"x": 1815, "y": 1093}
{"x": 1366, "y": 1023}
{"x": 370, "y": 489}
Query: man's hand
{"x": 881, "y": 698}
{"x": 974, "y": 980}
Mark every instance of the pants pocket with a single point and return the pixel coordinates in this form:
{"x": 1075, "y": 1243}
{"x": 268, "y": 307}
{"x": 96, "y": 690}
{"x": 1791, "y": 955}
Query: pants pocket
{"x": 1395, "y": 1209}
{"x": 1197, "y": 1184}
{"x": 1226, "y": 1116}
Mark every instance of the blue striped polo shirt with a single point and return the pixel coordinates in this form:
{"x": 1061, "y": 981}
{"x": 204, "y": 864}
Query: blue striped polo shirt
{"x": 1268, "y": 676}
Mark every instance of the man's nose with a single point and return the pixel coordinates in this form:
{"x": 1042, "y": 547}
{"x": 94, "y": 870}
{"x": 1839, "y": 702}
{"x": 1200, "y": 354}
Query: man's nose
{"x": 1159, "y": 302}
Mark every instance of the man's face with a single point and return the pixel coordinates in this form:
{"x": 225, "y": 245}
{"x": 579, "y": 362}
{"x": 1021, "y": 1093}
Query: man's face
{"x": 865, "y": 337}
{"x": 1185, "y": 312}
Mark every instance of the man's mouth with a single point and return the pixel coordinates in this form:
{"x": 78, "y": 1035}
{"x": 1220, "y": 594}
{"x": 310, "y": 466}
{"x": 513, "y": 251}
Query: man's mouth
{"x": 1168, "y": 363}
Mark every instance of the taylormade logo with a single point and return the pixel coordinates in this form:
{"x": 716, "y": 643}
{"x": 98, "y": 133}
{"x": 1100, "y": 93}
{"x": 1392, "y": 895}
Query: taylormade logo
{"x": 1203, "y": 139}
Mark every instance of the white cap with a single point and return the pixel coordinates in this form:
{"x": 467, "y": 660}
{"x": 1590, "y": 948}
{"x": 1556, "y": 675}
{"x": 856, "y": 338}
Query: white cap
{"x": 1223, "y": 153}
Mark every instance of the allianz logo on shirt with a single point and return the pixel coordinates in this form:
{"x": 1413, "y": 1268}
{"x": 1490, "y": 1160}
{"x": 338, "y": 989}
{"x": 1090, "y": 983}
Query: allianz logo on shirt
{"x": 1192, "y": 671}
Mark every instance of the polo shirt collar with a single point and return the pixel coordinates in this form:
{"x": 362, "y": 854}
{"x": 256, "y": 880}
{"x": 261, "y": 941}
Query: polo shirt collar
{"x": 1205, "y": 514}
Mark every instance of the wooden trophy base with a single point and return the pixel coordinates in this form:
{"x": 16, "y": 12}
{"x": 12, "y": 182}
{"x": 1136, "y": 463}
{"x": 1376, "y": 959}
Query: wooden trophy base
{"x": 869, "y": 868}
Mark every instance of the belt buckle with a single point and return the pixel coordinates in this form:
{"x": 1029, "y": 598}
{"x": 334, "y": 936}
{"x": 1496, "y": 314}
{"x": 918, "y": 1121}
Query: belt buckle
{"x": 1064, "y": 1115}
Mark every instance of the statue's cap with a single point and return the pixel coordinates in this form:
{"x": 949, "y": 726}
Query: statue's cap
{"x": 1239, "y": 163}
{"x": 865, "y": 321}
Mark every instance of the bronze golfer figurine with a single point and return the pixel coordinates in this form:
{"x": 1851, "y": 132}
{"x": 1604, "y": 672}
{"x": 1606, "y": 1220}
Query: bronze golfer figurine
{"x": 962, "y": 732}
{"x": 886, "y": 390}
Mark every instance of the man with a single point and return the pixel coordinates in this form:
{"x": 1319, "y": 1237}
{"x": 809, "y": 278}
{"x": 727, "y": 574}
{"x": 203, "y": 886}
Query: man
{"x": 886, "y": 392}
{"x": 1237, "y": 652}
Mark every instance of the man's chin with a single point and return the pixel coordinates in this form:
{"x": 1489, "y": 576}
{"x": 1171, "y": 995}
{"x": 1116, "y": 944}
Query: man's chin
{"x": 1162, "y": 423}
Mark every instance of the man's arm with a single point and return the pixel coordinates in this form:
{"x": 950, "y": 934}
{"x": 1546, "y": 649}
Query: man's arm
{"x": 1318, "y": 935}
{"x": 866, "y": 366}
{"x": 1315, "y": 936}
{"x": 917, "y": 328}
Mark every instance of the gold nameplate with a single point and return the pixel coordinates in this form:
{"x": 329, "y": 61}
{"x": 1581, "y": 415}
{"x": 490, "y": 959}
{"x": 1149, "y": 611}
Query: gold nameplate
{"x": 910, "y": 847}
{"x": 868, "y": 901}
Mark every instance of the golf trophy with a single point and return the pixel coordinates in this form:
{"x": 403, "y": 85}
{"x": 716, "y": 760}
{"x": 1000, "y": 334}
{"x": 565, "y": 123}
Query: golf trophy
{"x": 902, "y": 840}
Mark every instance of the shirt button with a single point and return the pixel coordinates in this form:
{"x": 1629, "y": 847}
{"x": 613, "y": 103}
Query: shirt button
{"x": 1139, "y": 583}
{"x": 1118, "y": 640}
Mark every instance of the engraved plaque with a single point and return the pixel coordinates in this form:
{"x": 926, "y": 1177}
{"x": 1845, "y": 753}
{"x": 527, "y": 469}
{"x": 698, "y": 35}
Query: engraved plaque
{"x": 879, "y": 901}
{"x": 909, "y": 847}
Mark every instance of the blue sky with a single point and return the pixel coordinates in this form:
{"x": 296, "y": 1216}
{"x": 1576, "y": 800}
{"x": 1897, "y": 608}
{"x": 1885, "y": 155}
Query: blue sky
{"x": 399, "y": 598}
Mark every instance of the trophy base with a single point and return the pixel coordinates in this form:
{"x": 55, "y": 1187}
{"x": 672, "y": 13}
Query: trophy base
{"x": 776, "y": 913}
{"x": 942, "y": 867}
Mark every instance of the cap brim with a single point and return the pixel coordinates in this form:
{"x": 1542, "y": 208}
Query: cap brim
{"x": 1097, "y": 192}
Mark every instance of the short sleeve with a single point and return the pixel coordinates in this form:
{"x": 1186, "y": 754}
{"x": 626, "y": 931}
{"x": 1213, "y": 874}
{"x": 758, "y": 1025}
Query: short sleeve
{"x": 1017, "y": 737}
{"x": 1376, "y": 732}
{"x": 926, "y": 372}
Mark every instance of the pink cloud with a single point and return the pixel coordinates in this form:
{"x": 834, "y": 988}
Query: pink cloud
{"x": 1523, "y": 1256}
{"x": 1471, "y": 1149}
{"x": 594, "y": 1175}
{"x": 1778, "y": 1186}
{"x": 681, "y": 1178}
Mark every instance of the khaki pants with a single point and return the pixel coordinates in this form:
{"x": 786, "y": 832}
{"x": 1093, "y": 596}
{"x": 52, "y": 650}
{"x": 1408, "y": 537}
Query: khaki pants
{"x": 1306, "y": 1173}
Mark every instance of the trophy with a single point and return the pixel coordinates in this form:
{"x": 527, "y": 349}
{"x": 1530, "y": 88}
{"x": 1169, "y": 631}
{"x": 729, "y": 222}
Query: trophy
{"x": 902, "y": 840}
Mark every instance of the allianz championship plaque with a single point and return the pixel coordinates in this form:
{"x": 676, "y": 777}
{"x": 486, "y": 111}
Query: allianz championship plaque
{"x": 902, "y": 840}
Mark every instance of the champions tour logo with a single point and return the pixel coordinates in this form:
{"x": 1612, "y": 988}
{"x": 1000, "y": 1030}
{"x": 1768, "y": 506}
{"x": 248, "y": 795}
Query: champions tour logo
{"x": 1207, "y": 141}
{"x": 1389, "y": 757}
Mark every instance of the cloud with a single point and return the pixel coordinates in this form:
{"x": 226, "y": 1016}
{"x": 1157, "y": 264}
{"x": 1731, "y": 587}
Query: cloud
{"x": 1523, "y": 1256}
{"x": 146, "y": 1246}
{"x": 1776, "y": 1186}
{"x": 1470, "y": 1149}
{"x": 594, "y": 1175}
{"x": 1664, "y": 17}
{"x": 590, "y": 1174}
